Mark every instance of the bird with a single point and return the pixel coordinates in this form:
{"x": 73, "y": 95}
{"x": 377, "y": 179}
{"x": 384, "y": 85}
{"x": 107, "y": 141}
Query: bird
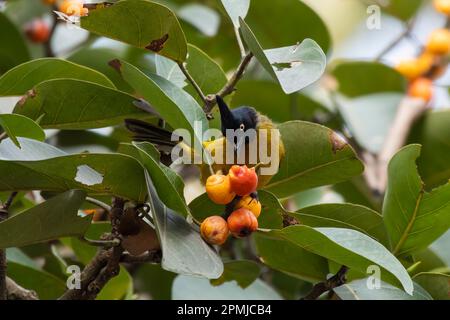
{"x": 241, "y": 120}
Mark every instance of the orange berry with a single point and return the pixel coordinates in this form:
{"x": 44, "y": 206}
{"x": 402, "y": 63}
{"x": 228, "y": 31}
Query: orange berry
{"x": 73, "y": 8}
{"x": 214, "y": 230}
{"x": 442, "y": 6}
{"x": 242, "y": 223}
{"x": 218, "y": 188}
{"x": 421, "y": 88}
{"x": 37, "y": 31}
{"x": 439, "y": 42}
{"x": 414, "y": 68}
{"x": 251, "y": 204}
{"x": 243, "y": 180}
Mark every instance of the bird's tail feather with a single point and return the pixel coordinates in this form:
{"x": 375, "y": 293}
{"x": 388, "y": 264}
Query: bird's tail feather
{"x": 144, "y": 131}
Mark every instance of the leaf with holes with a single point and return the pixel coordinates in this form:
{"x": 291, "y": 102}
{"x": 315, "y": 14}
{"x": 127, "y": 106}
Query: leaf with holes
{"x": 142, "y": 24}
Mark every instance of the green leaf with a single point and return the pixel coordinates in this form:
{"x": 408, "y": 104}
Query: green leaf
{"x": 270, "y": 218}
{"x": 194, "y": 288}
{"x": 142, "y": 24}
{"x": 14, "y": 50}
{"x": 183, "y": 249}
{"x": 370, "y": 117}
{"x": 27, "y": 274}
{"x": 353, "y": 80}
{"x": 346, "y": 247}
{"x": 19, "y": 126}
{"x": 358, "y": 290}
{"x": 345, "y": 215}
{"x": 268, "y": 98}
{"x": 413, "y": 217}
{"x": 315, "y": 156}
{"x": 39, "y": 166}
{"x": 436, "y": 284}
{"x": 23, "y": 77}
{"x": 174, "y": 105}
{"x": 236, "y": 9}
{"x": 244, "y": 272}
{"x": 403, "y": 9}
{"x": 74, "y": 104}
{"x": 282, "y": 255}
{"x": 433, "y": 133}
{"x": 168, "y": 183}
{"x": 294, "y": 67}
{"x": 49, "y": 220}
{"x": 118, "y": 287}
{"x": 294, "y": 21}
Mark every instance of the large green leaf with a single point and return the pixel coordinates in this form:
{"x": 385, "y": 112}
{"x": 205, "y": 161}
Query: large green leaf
{"x": 74, "y": 104}
{"x": 370, "y": 117}
{"x": 345, "y": 215}
{"x": 433, "y": 133}
{"x": 13, "y": 50}
{"x": 359, "y": 290}
{"x": 141, "y": 23}
{"x": 236, "y": 9}
{"x": 402, "y": 9}
{"x": 49, "y": 220}
{"x": 183, "y": 249}
{"x": 40, "y": 166}
{"x": 353, "y": 80}
{"x": 436, "y": 284}
{"x": 294, "y": 21}
{"x": 26, "y": 273}
{"x": 270, "y": 218}
{"x": 413, "y": 217}
{"x": 315, "y": 156}
{"x": 174, "y": 105}
{"x": 294, "y": 67}
{"x": 168, "y": 183}
{"x": 346, "y": 247}
{"x": 194, "y": 288}
{"x": 19, "y": 126}
{"x": 18, "y": 80}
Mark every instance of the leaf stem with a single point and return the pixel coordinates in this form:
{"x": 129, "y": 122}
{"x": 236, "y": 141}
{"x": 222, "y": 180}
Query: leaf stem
{"x": 240, "y": 43}
{"x": 99, "y": 203}
{"x": 192, "y": 81}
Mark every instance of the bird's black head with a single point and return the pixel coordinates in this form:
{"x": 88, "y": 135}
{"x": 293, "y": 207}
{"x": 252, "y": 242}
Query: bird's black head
{"x": 243, "y": 118}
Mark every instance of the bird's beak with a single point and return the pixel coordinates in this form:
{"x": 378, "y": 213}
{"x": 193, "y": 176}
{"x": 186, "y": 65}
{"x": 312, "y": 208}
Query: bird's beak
{"x": 240, "y": 140}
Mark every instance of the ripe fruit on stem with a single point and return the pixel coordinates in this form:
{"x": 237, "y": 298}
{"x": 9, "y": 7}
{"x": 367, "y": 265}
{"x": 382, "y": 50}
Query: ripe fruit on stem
{"x": 218, "y": 188}
{"x": 37, "y": 31}
{"x": 243, "y": 180}
{"x": 250, "y": 203}
{"x": 421, "y": 88}
{"x": 414, "y": 68}
{"x": 242, "y": 223}
{"x": 214, "y": 230}
{"x": 439, "y": 42}
{"x": 442, "y": 6}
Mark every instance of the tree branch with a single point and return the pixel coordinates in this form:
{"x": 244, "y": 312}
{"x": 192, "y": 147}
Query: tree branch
{"x": 335, "y": 281}
{"x": 48, "y": 44}
{"x": 396, "y": 41}
{"x": 3, "y": 263}
{"x": 230, "y": 85}
{"x": 16, "y": 292}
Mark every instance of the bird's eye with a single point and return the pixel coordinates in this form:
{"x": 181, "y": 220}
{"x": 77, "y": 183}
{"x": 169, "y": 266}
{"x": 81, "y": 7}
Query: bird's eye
{"x": 242, "y": 126}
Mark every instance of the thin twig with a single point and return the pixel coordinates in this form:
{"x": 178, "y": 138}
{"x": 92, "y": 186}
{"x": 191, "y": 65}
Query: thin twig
{"x": 335, "y": 281}
{"x": 16, "y": 292}
{"x": 99, "y": 203}
{"x": 396, "y": 41}
{"x": 149, "y": 257}
{"x": 101, "y": 243}
{"x": 192, "y": 81}
{"x": 231, "y": 84}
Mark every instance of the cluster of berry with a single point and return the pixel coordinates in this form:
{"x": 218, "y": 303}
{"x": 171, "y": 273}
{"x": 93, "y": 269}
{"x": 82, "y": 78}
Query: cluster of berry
{"x": 240, "y": 184}
{"x": 432, "y": 61}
